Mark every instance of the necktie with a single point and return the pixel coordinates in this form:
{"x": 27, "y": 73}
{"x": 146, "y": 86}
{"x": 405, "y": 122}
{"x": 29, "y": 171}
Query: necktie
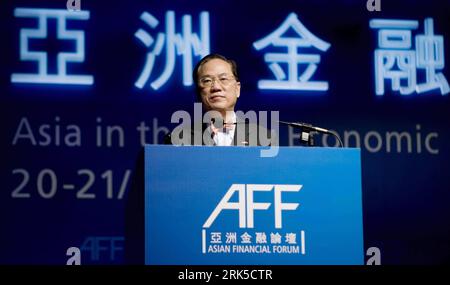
{"x": 214, "y": 130}
{"x": 223, "y": 138}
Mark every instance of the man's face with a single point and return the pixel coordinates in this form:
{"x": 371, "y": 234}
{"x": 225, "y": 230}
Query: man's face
{"x": 219, "y": 89}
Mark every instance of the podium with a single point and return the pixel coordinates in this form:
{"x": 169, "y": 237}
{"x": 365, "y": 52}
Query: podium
{"x": 229, "y": 206}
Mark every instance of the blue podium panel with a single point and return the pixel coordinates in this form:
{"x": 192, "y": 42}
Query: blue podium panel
{"x": 229, "y": 206}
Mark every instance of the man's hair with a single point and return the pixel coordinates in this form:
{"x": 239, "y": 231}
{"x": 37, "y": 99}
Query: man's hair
{"x": 204, "y": 60}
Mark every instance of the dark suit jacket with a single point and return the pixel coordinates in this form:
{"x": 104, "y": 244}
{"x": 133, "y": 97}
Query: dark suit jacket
{"x": 245, "y": 134}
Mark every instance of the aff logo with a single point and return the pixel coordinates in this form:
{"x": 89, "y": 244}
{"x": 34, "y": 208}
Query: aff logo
{"x": 103, "y": 248}
{"x": 246, "y": 205}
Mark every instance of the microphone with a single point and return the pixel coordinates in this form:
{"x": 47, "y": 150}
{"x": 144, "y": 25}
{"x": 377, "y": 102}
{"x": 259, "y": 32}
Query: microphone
{"x": 308, "y": 128}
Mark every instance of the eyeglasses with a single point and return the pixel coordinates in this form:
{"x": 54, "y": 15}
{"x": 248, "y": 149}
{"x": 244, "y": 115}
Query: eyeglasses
{"x": 207, "y": 82}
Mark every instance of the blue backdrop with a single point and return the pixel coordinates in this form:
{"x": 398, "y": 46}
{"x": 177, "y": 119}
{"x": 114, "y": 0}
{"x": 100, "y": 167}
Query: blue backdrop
{"x": 82, "y": 91}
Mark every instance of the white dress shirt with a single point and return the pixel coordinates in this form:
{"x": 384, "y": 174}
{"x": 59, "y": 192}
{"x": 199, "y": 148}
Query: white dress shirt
{"x": 224, "y": 136}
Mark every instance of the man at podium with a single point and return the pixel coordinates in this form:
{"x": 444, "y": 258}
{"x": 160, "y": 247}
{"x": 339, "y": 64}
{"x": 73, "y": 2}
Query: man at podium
{"x": 218, "y": 88}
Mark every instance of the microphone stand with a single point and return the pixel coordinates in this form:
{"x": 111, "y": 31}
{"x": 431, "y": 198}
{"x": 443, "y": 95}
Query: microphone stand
{"x": 308, "y": 131}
